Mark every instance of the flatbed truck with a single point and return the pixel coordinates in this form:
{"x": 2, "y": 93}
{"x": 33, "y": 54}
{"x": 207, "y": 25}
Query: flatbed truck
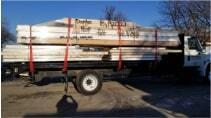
{"x": 88, "y": 75}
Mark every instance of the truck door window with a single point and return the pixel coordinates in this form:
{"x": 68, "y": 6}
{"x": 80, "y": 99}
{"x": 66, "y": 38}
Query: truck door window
{"x": 193, "y": 44}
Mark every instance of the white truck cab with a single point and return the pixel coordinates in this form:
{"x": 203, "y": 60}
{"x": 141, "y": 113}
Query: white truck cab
{"x": 196, "y": 56}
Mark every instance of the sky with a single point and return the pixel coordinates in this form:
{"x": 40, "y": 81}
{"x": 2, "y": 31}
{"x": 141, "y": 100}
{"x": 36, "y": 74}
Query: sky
{"x": 144, "y": 13}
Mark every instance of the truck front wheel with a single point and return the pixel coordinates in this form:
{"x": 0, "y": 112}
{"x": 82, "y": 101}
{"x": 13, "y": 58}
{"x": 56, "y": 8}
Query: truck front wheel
{"x": 208, "y": 73}
{"x": 89, "y": 82}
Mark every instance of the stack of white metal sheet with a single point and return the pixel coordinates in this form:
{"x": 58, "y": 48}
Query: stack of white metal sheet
{"x": 20, "y": 53}
{"x": 49, "y": 53}
{"x": 137, "y": 53}
{"x": 89, "y": 33}
{"x": 95, "y": 32}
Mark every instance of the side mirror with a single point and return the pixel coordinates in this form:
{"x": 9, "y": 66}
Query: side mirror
{"x": 201, "y": 51}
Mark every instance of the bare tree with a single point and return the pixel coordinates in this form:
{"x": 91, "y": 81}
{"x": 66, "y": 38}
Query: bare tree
{"x": 189, "y": 17}
{"x": 110, "y": 13}
{"x": 119, "y": 16}
{"x": 6, "y": 36}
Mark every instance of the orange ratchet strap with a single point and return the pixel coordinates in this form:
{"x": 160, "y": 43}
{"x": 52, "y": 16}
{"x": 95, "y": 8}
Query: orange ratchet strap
{"x": 67, "y": 46}
{"x": 31, "y": 64}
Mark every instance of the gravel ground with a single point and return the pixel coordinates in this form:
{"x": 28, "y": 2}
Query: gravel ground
{"x": 140, "y": 96}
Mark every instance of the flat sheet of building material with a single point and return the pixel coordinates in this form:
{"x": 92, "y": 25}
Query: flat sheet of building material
{"x": 95, "y": 33}
{"x": 47, "y": 53}
{"x": 43, "y": 53}
{"x": 137, "y": 53}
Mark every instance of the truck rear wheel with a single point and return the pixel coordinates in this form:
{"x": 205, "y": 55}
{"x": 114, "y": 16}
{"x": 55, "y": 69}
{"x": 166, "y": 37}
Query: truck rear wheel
{"x": 89, "y": 82}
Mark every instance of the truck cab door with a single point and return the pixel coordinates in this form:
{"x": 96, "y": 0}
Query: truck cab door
{"x": 192, "y": 52}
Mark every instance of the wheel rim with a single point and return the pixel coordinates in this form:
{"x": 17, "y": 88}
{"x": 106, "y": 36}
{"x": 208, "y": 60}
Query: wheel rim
{"x": 90, "y": 82}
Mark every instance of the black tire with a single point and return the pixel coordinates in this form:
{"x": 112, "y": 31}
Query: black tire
{"x": 75, "y": 86}
{"x": 207, "y": 72}
{"x": 92, "y": 77}
{"x": 38, "y": 77}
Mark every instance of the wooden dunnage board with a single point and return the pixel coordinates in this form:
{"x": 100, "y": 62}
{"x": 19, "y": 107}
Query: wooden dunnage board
{"x": 99, "y": 42}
